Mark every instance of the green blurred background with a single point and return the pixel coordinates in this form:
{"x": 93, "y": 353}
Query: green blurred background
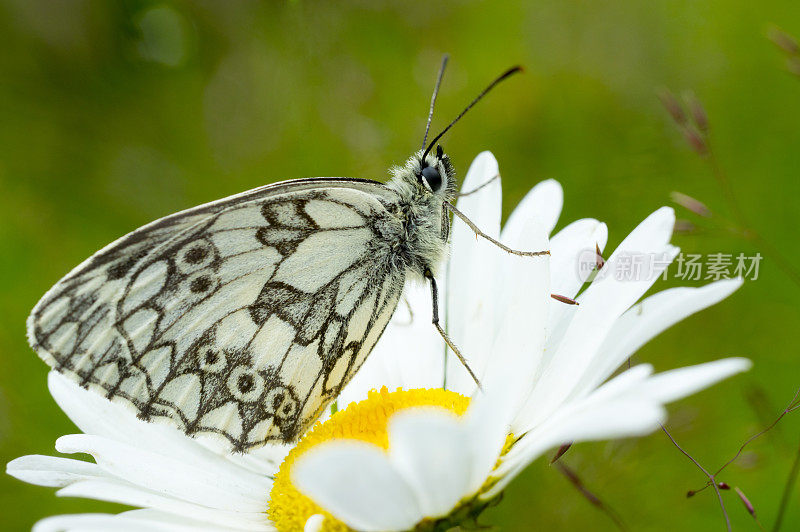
{"x": 116, "y": 113}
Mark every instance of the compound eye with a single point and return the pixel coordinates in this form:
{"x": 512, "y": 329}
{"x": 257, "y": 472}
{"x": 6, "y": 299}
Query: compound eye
{"x": 432, "y": 177}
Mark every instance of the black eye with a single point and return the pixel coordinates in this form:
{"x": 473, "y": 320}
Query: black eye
{"x": 432, "y": 177}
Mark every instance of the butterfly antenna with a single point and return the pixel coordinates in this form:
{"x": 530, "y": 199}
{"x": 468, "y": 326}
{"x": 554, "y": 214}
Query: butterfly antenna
{"x": 511, "y": 71}
{"x": 439, "y": 77}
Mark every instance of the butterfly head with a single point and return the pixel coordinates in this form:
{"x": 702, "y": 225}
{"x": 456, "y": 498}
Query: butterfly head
{"x": 424, "y": 184}
{"x": 430, "y": 174}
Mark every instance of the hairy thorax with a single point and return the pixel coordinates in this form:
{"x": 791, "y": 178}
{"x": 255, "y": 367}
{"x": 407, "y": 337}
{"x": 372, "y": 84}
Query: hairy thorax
{"x": 419, "y": 210}
{"x": 423, "y": 238}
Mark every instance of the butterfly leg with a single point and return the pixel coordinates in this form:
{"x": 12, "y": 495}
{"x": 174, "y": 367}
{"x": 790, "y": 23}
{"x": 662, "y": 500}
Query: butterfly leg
{"x": 479, "y": 187}
{"x": 497, "y": 243}
{"x": 435, "y": 321}
{"x": 410, "y": 312}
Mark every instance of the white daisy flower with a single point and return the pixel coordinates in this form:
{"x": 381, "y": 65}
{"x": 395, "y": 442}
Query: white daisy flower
{"x": 425, "y": 457}
{"x": 545, "y": 367}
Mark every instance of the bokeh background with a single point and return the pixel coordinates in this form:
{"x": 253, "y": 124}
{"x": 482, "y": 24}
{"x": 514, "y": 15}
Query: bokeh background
{"x": 115, "y": 113}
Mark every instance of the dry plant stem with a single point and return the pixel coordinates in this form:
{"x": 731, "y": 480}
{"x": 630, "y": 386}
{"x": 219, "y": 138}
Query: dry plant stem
{"x": 575, "y": 480}
{"x": 793, "y": 405}
{"x": 786, "y": 410}
{"x": 787, "y": 490}
{"x": 711, "y": 478}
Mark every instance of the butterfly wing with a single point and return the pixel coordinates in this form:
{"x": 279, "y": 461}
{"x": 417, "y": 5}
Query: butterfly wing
{"x": 242, "y": 318}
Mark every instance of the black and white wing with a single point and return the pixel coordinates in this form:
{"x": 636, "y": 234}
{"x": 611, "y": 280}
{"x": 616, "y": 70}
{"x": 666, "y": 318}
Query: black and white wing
{"x": 242, "y": 318}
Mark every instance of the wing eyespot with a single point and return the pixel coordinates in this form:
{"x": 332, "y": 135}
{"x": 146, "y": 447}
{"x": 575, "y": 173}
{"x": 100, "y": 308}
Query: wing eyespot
{"x": 245, "y": 384}
{"x": 121, "y": 268}
{"x": 195, "y": 255}
{"x": 200, "y": 284}
{"x": 210, "y": 360}
{"x": 281, "y": 403}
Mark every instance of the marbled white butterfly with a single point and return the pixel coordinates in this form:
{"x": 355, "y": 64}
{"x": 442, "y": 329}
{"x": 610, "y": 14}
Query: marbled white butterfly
{"x": 245, "y": 317}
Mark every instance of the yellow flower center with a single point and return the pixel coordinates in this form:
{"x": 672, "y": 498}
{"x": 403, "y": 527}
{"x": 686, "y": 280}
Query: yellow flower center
{"x": 365, "y": 421}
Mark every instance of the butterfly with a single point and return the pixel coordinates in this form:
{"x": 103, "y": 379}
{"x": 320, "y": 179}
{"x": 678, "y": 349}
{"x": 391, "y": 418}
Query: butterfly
{"x": 243, "y": 318}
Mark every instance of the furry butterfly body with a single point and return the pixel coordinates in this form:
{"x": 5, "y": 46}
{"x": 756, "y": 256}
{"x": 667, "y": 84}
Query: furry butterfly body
{"x": 242, "y": 319}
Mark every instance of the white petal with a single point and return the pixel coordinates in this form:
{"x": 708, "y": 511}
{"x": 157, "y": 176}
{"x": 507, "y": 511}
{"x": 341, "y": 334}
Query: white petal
{"x": 612, "y": 391}
{"x": 628, "y": 405}
{"x": 201, "y": 484}
{"x": 523, "y": 302}
{"x": 89, "y": 480}
{"x": 357, "y": 484}
{"x": 651, "y": 317}
{"x": 134, "y": 521}
{"x": 430, "y": 449}
{"x": 263, "y": 461}
{"x": 589, "y": 420}
{"x": 314, "y": 523}
{"x": 484, "y": 206}
{"x": 483, "y": 168}
{"x": 94, "y": 414}
{"x": 472, "y": 274}
{"x": 149, "y": 515}
{"x": 524, "y": 281}
{"x": 543, "y": 203}
{"x": 601, "y": 304}
{"x": 52, "y": 471}
{"x": 678, "y": 383}
{"x": 622, "y": 383}
{"x": 605, "y": 420}
{"x": 565, "y": 424}
{"x": 87, "y": 522}
{"x": 115, "y": 491}
{"x": 488, "y": 422}
{"x": 572, "y": 259}
{"x": 573, "y": 253}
